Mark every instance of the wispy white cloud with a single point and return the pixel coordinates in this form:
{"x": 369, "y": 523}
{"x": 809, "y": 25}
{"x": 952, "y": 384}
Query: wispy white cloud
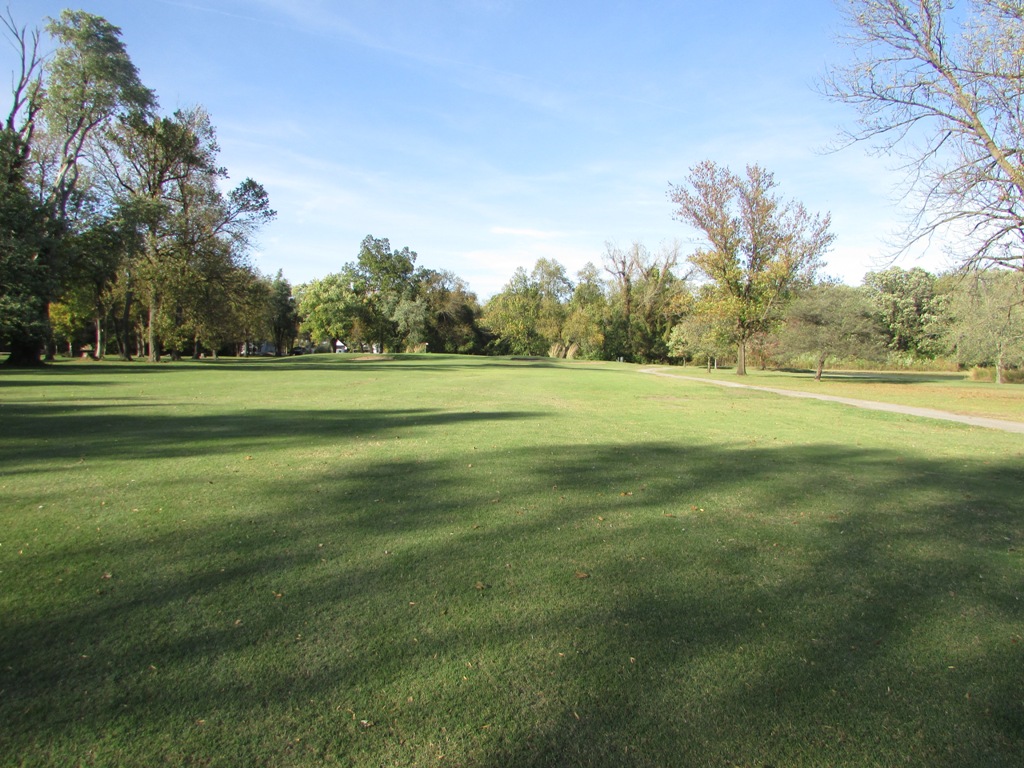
{"x": 536, "y": 234}
{"x": 208, "y": 8}
{"x": 486, "y": 134}
{"x": 405, "y": 41}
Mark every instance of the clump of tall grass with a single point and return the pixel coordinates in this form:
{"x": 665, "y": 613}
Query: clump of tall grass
{"x": 988, "y": 373}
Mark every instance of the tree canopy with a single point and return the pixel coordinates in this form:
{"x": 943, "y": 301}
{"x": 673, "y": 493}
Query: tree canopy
{"x": 119, "y": 228}
{"x": 938, "y": 83}
{"x": 831, "y": 320}
{"x": 125, "y": 206}
{"x": 757, "y": 247}
{"x": 987, "y": 320}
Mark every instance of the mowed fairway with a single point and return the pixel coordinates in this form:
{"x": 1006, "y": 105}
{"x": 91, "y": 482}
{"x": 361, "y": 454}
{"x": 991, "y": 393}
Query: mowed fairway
{"x": 477, "y": 562}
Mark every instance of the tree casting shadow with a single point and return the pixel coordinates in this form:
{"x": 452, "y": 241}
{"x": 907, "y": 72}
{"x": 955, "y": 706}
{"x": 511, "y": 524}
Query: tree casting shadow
{"x": 748, "y": 624}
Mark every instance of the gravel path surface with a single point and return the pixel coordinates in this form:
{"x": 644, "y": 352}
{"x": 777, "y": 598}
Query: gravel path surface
{"x": 907, "y": 410}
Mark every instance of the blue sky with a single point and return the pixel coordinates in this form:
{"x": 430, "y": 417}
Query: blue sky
{"x": 485, "y": 134}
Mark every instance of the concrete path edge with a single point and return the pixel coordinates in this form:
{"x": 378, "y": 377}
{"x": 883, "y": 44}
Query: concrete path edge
{"x": 872, "y": 405}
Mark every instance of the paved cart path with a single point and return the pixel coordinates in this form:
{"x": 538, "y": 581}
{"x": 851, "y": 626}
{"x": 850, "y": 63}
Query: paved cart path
{"x": 907, "y": 410}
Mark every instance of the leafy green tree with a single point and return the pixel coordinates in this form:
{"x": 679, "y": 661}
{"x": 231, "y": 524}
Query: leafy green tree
{"x": 700, "y": 336}
{"x": 70, "y": 317}
{"x": 88, "y": 81}
{"x": 329, "y": 308}
{"x": 384, "y": 300}
{"x": 529, "y": 315}
{"x": 452, "y": 312}
{"x": 586, "y": 316}
{"x": 284, "y": 323}
{"x": 412, "y": 318}
{"x": 91, "y": 79}
{"x": 831, "y": 320}
{"x": 210, "y": 233}
{"x": 166, "y": 166}
{"x": 191, "y": 238}
{"x": 661, "y": 299}
{"x": 987, "y": 320}
{"x": 511, "y": 318}
{"x": 385, "y": 279}
{"x": 646, "y": 297}
{"x": 144, "y": 160}
{"x": 759, "y": 248}
{"x": 908, "y": 308}
{"x": 623, "y": 267}
{"x": 99, "y": 247}
{"x": 252, "y": 309}
{"x": 552, "y": 289}
{"x": 25, "y": 279}
{"x": 938, "y": 83}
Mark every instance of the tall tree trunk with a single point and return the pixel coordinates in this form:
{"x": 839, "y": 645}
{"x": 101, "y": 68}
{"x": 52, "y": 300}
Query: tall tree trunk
{"x": 821, "y": 366}
{"x": 154, "y": 352}
{"x": 125, "y": 331}
{"x": 50, "y": 345}
{"x": 741, "y": 358}
{"x": 98, "y": 349}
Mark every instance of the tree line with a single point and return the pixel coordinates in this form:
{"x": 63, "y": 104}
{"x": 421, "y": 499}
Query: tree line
{"x": 116, "y": 216}
{"x": 655, "y": 307}
{"x": 120, "y": 234}
{"x": 754, "y": 286}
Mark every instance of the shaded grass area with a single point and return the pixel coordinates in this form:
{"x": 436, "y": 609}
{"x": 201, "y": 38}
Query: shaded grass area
{"x": 433, "y": 561}
{"x": 954, "y": 392}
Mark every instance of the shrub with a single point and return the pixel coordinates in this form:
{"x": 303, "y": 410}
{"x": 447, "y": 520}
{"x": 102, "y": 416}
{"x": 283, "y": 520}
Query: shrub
{"x": 988, "y": 373}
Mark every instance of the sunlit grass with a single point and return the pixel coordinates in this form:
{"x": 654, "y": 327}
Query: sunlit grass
{"x": 433, "y": 560}
{"x": 954, "y": 392}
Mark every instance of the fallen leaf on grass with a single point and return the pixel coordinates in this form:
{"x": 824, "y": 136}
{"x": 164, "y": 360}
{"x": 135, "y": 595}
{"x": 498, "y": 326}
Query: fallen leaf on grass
{"x": 481, "y": 585}
{"x": 582, "y": 575}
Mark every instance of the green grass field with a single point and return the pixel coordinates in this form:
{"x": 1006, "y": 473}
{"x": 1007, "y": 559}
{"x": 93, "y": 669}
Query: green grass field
{"x": 952, "y": 392}
{"x": 479, "y": 562}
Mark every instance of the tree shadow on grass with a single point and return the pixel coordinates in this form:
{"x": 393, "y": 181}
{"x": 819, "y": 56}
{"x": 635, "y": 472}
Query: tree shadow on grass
{"x": 70, "y": 430}
{"x": 73, "y": 371}
{"x": 876, "y": 377}
{"x": 661, "y": 605}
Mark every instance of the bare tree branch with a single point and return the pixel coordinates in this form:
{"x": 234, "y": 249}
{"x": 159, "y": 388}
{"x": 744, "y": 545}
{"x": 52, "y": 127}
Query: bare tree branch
{"x": 942, "y": 87}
